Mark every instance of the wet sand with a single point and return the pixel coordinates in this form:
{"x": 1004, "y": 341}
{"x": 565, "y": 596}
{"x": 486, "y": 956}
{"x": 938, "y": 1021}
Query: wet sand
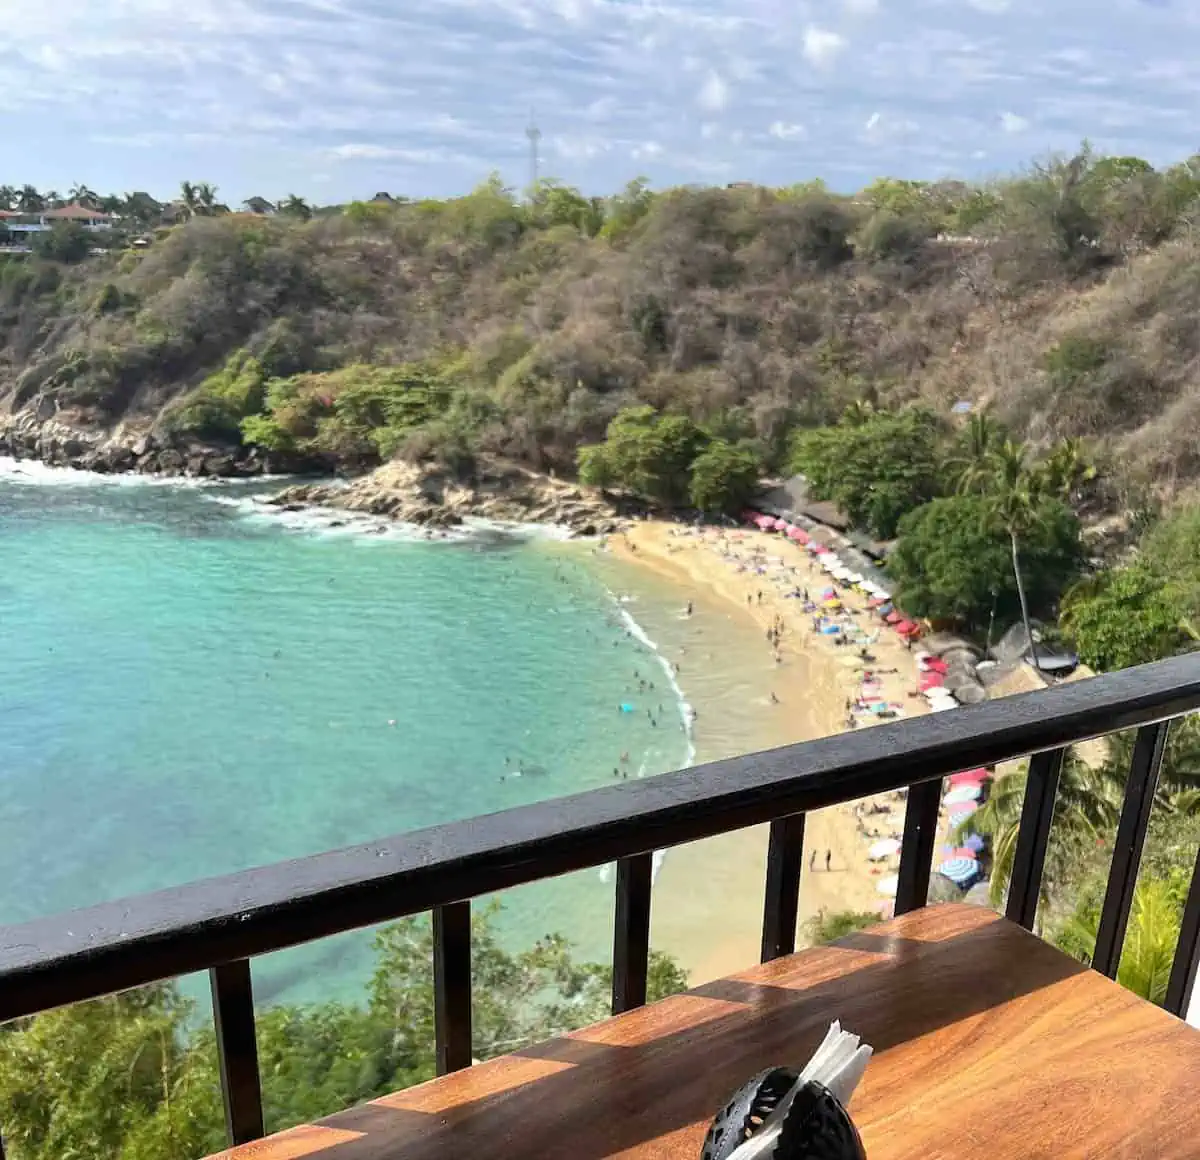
{"x": 708, "y": 896}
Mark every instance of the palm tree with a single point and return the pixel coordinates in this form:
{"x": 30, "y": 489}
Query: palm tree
{"x": 30, "y": 201}
{"x": 974, "y": 462}
{"x": 188, "y": 197}
{"x": 295, "y": 206}
{"x": 1149, "y": 940}
{"x": 1014, "y": 491}
{"x": 8, "y": 196}
{"x": 206, "y": 195}
{"x": 1067, "y": 469}
{"x": 1086, "y": 809}
{"x": 82, "y": 195}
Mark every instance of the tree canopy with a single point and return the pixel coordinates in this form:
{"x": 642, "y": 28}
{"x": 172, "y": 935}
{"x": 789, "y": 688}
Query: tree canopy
{"x": 876, "y": 466}
{"x": 952, "y": 563}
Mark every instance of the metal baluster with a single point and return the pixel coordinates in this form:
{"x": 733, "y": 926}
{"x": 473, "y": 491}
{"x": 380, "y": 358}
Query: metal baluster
{"x": 452, "y": 986}
{"x": 1187, "y": 951}
{"x": 1127, "y": 851}
{"x": 631, "y": 933}
{"x": 916, "y": 849}
{"x": 785, "y": 857}
{"x": 237, "y": 1050}
{"x": 1037, "y": 812}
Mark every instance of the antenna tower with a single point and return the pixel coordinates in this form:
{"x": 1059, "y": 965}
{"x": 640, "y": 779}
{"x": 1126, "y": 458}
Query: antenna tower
{"x": 535, "y": 136}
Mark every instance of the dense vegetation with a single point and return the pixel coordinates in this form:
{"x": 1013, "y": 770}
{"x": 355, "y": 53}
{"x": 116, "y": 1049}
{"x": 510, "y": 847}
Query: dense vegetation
{"x": 128, "y": 1078}
{"x": 1063, "y": 296}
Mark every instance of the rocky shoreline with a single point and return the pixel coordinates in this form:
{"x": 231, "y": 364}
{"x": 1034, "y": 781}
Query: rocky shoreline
{"x": 40, "y": 434}
{"x": 424, "y": 495}
{"x": 433, "y": 498}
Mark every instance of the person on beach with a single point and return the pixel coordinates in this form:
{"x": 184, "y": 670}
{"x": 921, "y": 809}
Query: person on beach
{"x": 828, "y": 860}
{"x": 812, "y": 862}
{"x": 689, "y": 608}
{"x": 774, "y": 699}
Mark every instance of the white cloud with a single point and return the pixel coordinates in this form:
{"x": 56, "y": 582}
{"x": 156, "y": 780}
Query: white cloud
{"x": 822, "y": 47}
{"x": 714, "y": 96}
{"x": 786, "y": 131}
{"x": 237, "y": 91}
{"x": 356, "y": 151}
{"x": 884, "y": 128}
{"x": 578, "y": 148}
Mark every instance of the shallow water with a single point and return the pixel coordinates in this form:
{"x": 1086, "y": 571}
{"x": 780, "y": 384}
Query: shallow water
{"x": 189, "y": 687}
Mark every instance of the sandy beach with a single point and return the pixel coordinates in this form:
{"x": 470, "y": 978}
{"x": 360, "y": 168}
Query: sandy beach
{"x": 708, "y": 898}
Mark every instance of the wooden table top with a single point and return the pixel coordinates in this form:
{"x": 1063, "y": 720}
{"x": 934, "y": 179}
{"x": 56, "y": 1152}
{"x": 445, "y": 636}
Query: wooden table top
{"x": 989, "y": 1044}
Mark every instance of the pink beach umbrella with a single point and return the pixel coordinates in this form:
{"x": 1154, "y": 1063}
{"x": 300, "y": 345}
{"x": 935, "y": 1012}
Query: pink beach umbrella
{"x": 781, "y": 525}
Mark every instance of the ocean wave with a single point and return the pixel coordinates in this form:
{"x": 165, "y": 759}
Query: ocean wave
{"x": 687, "y": 714}
{"x": 34, "y": 473}
{"x": 365, "y": 529}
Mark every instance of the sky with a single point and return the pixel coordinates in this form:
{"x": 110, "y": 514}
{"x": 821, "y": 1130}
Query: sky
{"x": 338, "y": 99}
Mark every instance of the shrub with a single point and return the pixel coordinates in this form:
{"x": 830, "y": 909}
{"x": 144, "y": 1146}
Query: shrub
{"x": 725, "y": 477}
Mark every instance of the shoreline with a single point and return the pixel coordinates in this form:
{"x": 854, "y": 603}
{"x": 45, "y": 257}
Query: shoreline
{"x": 800, "y": 696}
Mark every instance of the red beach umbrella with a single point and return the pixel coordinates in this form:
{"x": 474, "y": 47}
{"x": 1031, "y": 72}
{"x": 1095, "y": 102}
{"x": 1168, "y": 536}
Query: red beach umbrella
{"x": 894, "y": 617}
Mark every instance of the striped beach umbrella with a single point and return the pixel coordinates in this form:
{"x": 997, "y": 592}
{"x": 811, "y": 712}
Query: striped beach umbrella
{"x": 960, "y": 871}
{"x": 960, "y": 814}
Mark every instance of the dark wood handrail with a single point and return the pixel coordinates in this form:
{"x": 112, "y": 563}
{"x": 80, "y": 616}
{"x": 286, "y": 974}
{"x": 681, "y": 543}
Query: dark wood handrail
{"x": 113, "y": 946}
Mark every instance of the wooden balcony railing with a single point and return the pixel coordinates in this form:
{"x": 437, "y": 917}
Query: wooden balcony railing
{"x": 221, "y": 923}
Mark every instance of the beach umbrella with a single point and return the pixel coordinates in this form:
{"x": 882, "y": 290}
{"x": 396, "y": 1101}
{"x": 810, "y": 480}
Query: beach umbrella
{"x": 964, "y": 852}
{"x": 779, "y": 525}
{"x": 930, "y": 681}
{"x": 975, "y": 843}
{"x": 893, "y": 617}
{"x": 962, "y": 795}
{"x": 827, "y": 592}
{"x": 907, "y": 628}
{"x": 970, "y": 777}
{"x": 960, "y": 814}
{"x": 830, "y": 630}
{"x": 937, "y": 666}
{"x": 796, "y": 535}
{"x": 960, "y": 871}
{"x": 764, "y": 523}
{"x": 884, "y": 848}
{"x": 888, "y": 885}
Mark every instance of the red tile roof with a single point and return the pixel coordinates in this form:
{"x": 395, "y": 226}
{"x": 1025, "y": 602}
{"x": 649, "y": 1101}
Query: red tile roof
{"x": 76, "y": 212}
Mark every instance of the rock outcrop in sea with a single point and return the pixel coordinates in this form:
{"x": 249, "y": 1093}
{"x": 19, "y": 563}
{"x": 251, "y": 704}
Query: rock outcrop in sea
{"x": 434, "y": 498}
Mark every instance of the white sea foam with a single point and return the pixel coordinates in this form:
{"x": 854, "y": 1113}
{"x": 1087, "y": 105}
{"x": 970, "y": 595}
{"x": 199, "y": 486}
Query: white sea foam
{"x": 364, "y": 529}
{"x": 687, "y": 714}
{"x": 34, "y": 473}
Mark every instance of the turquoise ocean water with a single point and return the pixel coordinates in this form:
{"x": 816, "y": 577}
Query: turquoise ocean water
{"x": 189, "y": 688}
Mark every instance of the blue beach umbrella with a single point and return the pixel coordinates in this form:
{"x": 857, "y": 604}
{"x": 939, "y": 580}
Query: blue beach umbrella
{"x": 960, "y": 871}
